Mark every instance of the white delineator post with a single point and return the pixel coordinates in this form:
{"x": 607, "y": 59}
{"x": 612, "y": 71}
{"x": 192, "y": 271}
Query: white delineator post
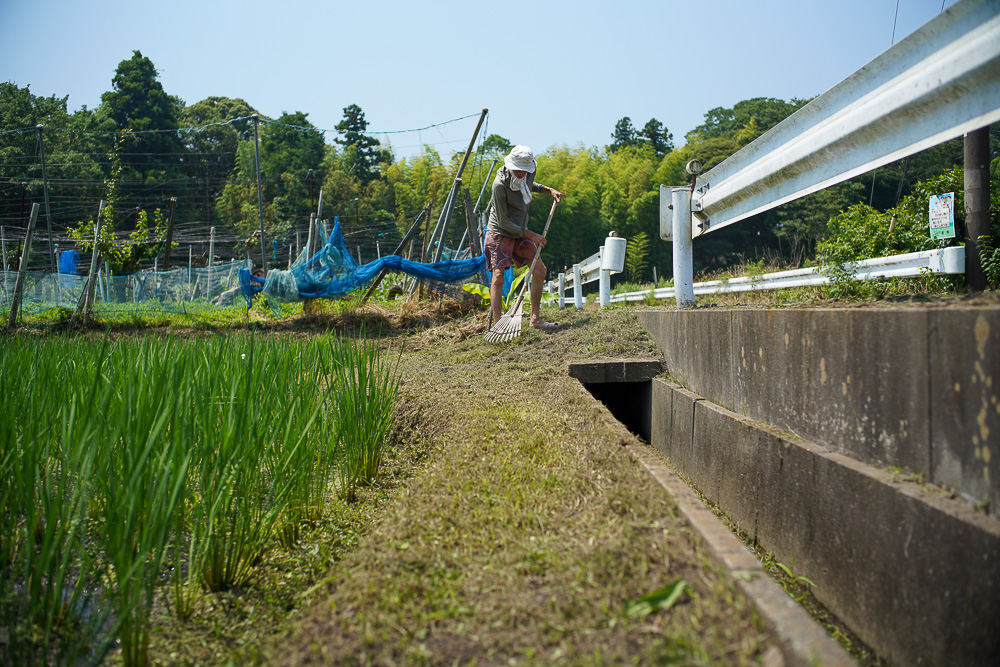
{"x": 683, "y": 251}
{"x": 612, "y": 261}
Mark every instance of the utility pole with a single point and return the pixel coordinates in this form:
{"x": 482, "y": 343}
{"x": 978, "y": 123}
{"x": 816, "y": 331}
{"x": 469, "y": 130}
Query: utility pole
{"x": 309, "y": 176}
{"x": 45, "y": 191}
{"x": 977, "y": 204}
{"x": 260, "y": 196}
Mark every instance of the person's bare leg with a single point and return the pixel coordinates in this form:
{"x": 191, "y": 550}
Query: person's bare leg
{"x": 537, "y": 283}
{"x": 496, "y": 295}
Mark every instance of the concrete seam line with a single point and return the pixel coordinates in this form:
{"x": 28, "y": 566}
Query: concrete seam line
{"x": 803, "y": 640}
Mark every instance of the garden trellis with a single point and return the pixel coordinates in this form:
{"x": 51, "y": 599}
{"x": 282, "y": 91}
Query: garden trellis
{"x": 204, "y": 271}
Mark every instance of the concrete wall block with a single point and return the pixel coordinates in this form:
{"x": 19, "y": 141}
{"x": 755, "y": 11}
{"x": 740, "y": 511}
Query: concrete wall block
{"x": 785, "y": 520}
{"x": 727, "y": 448}
{"x": 693, "y": 349}
{"x": 965, "y": 403}
{"x": 642, "y": 370}
{"x": 588, "y": 372}
{"x": 857, "y": 381}
{"x": 661, "y": 408}
{"x": 682, "y": 429}
{"x": 913, "y": 574}
{"x": 874, "y": 406}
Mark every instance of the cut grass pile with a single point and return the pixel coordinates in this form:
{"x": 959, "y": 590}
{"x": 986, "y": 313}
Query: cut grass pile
{"x": 530, "y": 533}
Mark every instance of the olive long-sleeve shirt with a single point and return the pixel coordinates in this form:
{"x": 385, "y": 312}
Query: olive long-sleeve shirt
{"x": 508, "y": 212}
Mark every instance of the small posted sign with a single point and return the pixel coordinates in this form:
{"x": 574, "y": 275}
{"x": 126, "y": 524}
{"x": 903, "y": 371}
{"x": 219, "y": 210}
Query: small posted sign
{"x": 942, "y": 216}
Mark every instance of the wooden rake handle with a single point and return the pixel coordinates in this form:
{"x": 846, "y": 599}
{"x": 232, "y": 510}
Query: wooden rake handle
{"x": 538, "y": 252}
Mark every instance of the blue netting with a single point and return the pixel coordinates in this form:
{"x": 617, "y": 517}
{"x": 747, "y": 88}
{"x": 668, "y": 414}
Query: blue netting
{"x": 332, "y": 273}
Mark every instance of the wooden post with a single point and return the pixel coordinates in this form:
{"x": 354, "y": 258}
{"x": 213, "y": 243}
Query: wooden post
{"x": 425, "y": 250}
{"x": 312, "y": 231}
{"x": 470, "y": 221}
{"x": 977, "y": 204}
{"x": 410, "y": 235}
{"x": 170, "y": 235}
{"x": 83, "y": 306}
{"x": 211, "y": 261}
{"x": 442, "y": 229}
{"x": 3, "y": 262}
{"x": 15, "y": 300}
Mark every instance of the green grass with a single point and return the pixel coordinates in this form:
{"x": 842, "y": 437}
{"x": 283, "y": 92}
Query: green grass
{"x": 146, "y": 469}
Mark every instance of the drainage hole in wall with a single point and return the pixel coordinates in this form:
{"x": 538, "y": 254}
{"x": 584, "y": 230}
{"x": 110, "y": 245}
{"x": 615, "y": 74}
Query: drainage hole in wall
{"x": 629, "y": 402}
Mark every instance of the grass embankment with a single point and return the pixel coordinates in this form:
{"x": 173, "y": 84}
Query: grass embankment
{"x": 529, "y": 531}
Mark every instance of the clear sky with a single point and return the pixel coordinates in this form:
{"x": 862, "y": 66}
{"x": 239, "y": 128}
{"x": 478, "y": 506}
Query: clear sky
{"x": 551, "y": 72}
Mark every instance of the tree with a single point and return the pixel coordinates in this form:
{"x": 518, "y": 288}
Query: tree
{"x": 657, "y": 137}
{"x": 624, "y": 135}
{"x": 367, "y": 154}
{"x": 222, "y": 124}
{"x": 138, "y": 102}
{"x": 496, "y": 146}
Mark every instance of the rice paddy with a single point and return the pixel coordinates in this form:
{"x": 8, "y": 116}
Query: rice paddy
{"x": 150, "y": 470}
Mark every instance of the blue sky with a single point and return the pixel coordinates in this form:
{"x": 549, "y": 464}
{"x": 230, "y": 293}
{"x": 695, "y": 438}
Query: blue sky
{"x": 550, "y": 72}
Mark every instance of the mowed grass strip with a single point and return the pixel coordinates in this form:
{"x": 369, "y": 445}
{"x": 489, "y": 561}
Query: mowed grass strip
{"x": 530, "y": 531}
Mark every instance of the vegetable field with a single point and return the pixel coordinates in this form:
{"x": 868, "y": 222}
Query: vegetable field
{"x": 145, "y": 471}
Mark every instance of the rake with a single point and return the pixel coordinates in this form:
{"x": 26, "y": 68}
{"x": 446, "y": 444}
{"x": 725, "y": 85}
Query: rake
{"x": 508, "y": 327}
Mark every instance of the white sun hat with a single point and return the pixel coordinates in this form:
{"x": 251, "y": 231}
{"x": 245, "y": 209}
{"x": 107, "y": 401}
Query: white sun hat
{"x": 520, "y": 159}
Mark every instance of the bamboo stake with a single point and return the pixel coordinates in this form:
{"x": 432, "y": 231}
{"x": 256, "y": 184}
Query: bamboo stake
{"x": 15, "y": 301}
{"x": 88, "y": 290}
{"x": 381, "y": 274}
{"x": 211, "y": 261}
{"x": 3, "y": 248}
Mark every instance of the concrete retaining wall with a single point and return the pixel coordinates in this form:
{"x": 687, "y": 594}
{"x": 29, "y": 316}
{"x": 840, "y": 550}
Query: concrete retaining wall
{"x": 915, "y": 575}
{"x": 912, "y": 388}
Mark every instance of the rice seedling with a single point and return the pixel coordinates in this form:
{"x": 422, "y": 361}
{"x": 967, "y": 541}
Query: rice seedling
{"x": 363, "y": 392}
{"x": 123, "y": 459}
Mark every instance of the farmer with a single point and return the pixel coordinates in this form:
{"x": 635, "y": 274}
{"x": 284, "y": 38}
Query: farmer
{"x": 508, "y": 239}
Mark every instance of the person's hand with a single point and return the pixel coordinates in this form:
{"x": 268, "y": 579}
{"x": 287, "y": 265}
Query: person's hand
{"x": 556, "y": 194}
{"x": 535, "y": 238}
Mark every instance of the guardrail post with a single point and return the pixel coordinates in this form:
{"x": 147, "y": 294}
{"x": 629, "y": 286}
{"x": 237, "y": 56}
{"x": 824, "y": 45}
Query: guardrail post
{"x": 562, "y": 291}
{"x": 683, "y": 250}
{"x": 577, "y": 287}
{"x": 604, "y": 281}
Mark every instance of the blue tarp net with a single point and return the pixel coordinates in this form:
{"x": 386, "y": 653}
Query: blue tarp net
{"x": 332, "y": 273}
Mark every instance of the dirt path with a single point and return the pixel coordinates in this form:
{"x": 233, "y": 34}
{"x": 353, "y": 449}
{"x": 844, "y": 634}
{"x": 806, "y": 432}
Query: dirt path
{"x": 529, "y": 529}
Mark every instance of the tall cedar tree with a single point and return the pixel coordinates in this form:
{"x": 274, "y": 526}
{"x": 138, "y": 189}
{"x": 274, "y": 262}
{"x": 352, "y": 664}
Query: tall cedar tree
{"x": 367, "y": 151}
{"x": 138, "y": 102}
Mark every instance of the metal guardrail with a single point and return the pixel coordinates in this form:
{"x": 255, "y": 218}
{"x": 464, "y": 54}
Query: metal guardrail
{"x": 936, "y": 84}
{"x": 599, "y": 266}
{"x": 944, "y": 261}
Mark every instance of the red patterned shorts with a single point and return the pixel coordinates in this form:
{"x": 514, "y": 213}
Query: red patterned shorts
{"x": 502, "y": 251}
